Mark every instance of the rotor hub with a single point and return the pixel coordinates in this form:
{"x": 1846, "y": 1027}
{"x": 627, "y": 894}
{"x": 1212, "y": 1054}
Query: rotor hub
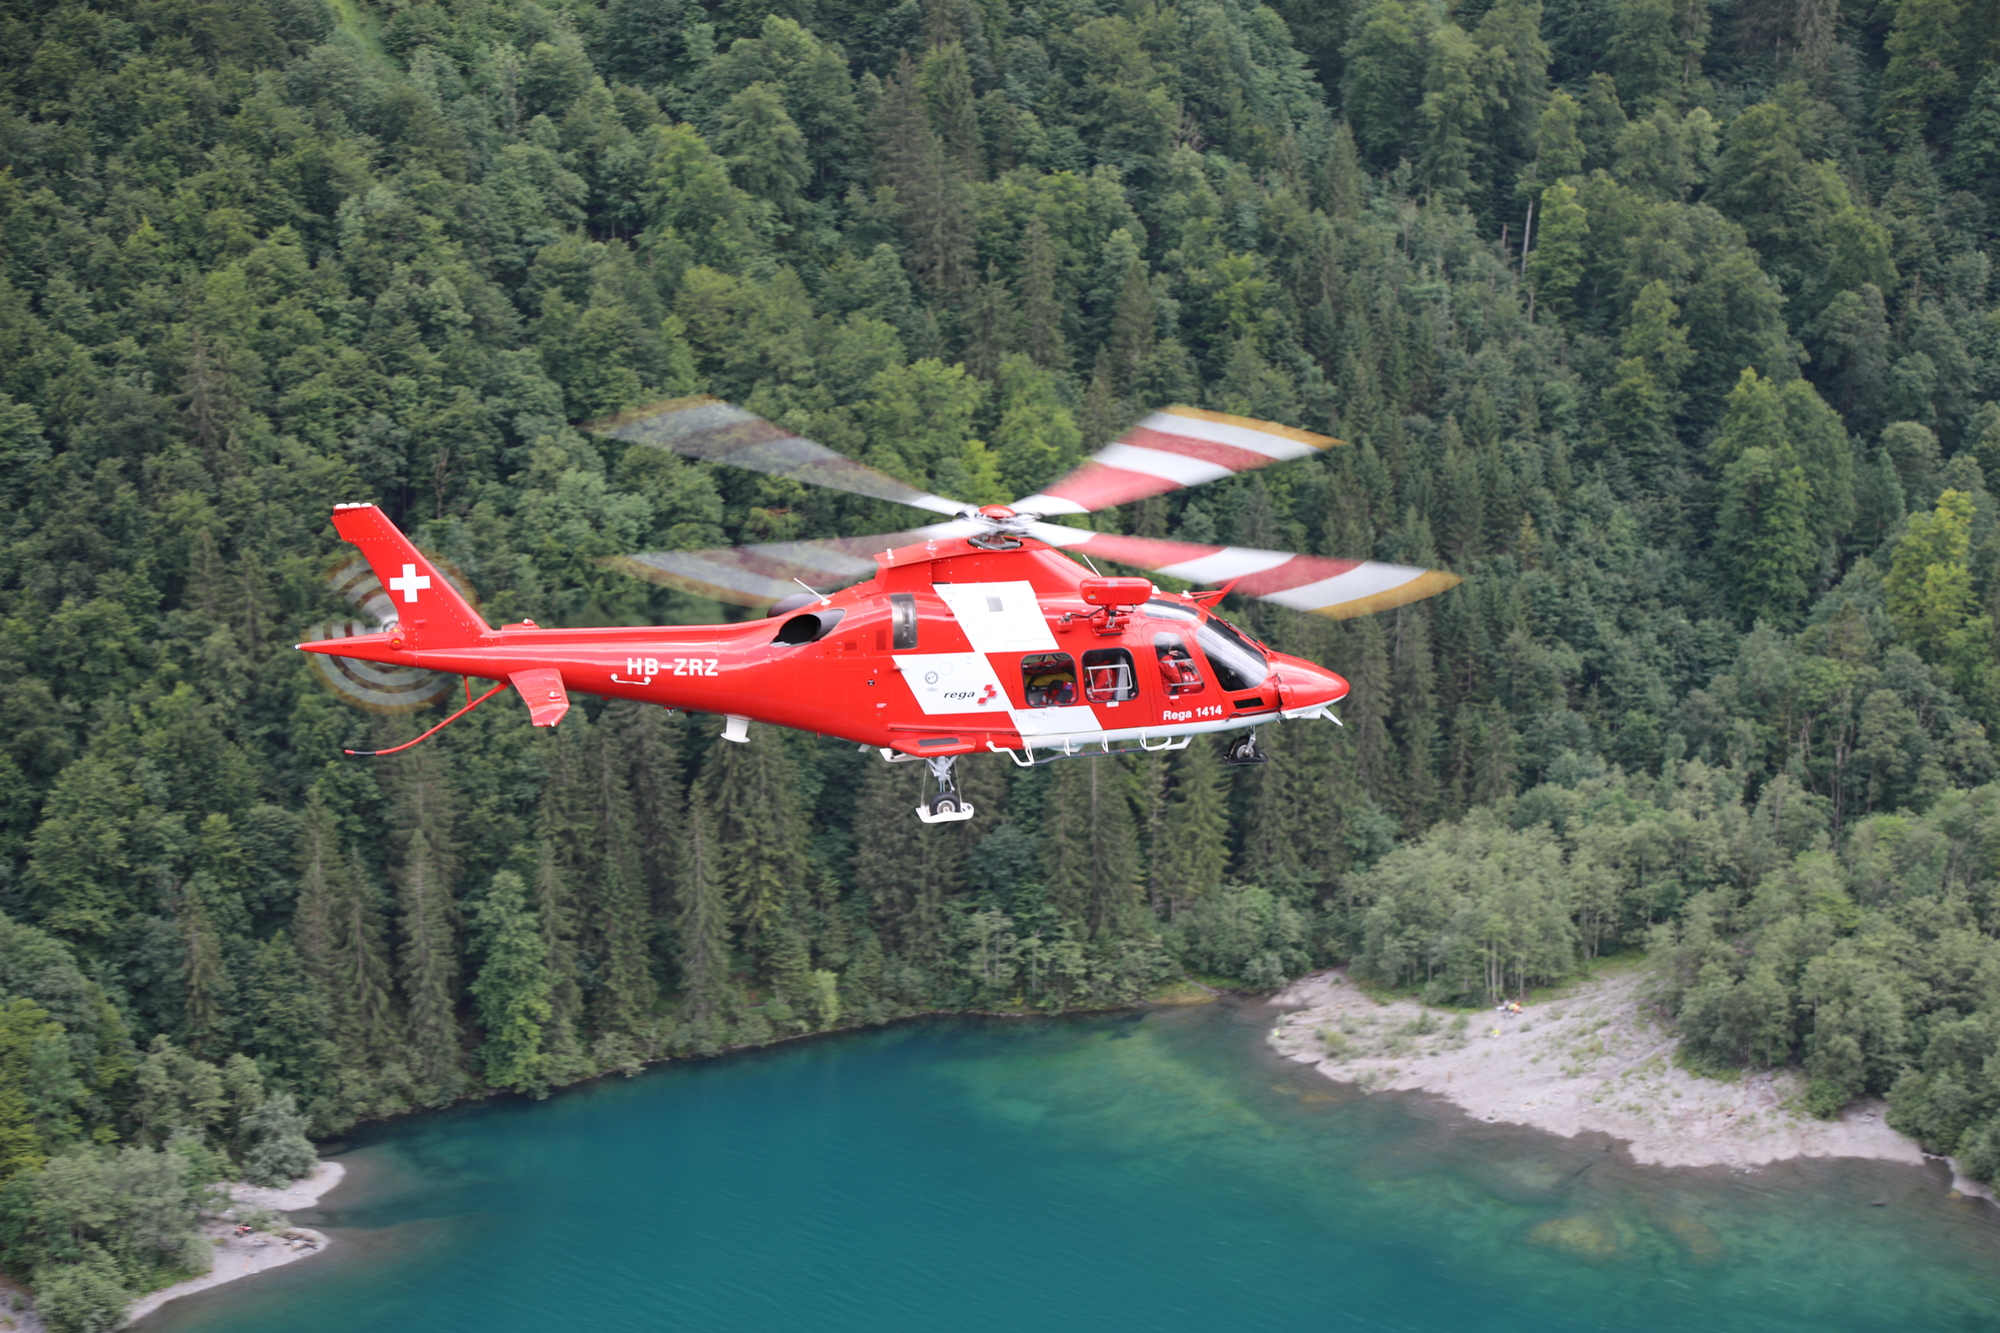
{"x": 1001, "y": 518}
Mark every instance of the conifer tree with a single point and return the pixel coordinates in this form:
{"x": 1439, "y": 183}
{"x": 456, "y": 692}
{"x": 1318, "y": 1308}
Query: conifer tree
{"x": 1385, "y": 75}
{"x": 1518, "y": 65}
{"x": 764, "y": 149}
{"x": 703, "y": 925}
{"x": 760, "y": 828}
{"x": 1555, "y": 263}
{"x": 1639, "y": 405}
{"x": 1765, "y": 521}
{"x": 907, "y": 874}
{"x": 995, "y": 328}
{"x": 1370, "y": 700}
{"x": 1132, "y": 325}
{"x": 554, "y": 904}
{"x": 1558, "y": 145}
{"x": 650, "y": 740}
{"x": 1643, "y": 57}
{"x": 931, "y": 189}
{"x": 1930, "y": 598}
{"x": 1975, "y": 164}
{"x": 202, "y": 966}
{"x": 510, "y": 990}
{"x": 1413, "y": 673}
{"x": 617, "y": 924}
{"x": 353, "y": 961}
{"x": 1041, "y": 308}
{"x": 1090, "y": 849}
{"x": 946, "y": 83}
{"x": 1459, "y": 95}
{"x": 1190, "y": 855}
{"x": 423, "y": 820}
{"x": 1922, "y": 75}
{"x": 330, "y": 919}
{"x": 290, "y": 1020}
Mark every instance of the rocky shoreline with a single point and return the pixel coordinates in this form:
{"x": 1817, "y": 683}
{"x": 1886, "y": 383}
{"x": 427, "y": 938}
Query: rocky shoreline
{"x": 1593, "y": 1059}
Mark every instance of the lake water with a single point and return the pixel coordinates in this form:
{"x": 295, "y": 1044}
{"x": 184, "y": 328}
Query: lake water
{"x": 1157, "y": 1171}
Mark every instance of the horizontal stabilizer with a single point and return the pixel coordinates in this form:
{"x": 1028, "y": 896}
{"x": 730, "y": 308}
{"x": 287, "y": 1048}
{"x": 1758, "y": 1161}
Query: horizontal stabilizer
{"x": 542, "y": 690}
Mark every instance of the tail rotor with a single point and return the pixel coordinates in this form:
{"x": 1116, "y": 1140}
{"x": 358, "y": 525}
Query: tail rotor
{"x": 375, "y": 686}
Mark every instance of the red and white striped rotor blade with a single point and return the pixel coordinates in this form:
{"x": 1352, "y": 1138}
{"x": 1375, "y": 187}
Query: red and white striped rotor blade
{"x": 764, "y": 573}
{"x": 1182, "y": 446}
{"x": 1322, "y": 585}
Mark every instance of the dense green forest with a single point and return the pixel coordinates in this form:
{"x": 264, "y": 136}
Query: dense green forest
{"x": 1670, "y": 324}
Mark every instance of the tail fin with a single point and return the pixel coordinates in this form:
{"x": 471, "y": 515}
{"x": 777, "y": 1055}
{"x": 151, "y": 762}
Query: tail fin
{"x": 431, "y": 612}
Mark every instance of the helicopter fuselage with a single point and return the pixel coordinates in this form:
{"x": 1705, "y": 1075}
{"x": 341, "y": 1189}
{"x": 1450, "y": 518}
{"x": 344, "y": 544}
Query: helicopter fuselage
{"x": 953, "y": 647}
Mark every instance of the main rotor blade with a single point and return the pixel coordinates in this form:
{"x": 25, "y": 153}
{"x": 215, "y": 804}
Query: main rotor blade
{"x": 1182, "y": 446}
{"x": 719, "y": 432}
{"x": 761, "y": 574}
{"x": 1339, "y": 589}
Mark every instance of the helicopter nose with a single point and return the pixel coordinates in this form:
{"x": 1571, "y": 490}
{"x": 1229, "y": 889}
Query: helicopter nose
{"x": 1307, "y": 685}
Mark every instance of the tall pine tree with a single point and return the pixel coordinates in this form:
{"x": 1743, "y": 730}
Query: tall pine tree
{"x": 423, "y": 864}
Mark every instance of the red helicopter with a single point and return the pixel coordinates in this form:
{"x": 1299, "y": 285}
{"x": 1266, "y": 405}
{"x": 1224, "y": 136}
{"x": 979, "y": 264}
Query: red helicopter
{"x": 976, "y": 634}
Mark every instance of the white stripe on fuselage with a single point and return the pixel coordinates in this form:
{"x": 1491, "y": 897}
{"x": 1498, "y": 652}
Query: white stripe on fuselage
{"x": 996, "y": 618}
{"x": 953, "y": 683}
{"x": 999, "y": 617}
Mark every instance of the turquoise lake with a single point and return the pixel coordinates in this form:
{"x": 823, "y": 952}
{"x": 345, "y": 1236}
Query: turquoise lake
{"x": 1151, "y": 1171}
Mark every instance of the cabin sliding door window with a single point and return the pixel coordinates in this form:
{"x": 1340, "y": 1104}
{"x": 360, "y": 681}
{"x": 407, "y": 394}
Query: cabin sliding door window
{"x": 1048, "y": 680}
{"x": 1108, "y": 677}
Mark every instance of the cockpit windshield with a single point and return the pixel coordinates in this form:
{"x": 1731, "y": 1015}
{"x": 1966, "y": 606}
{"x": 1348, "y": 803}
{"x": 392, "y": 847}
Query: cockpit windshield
{"x": 1236, "y": 662}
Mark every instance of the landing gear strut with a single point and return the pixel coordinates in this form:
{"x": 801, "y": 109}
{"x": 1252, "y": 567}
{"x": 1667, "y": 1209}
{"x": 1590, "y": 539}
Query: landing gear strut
{"x": 1244, "y": 750}
{"x": 947, "y": 807}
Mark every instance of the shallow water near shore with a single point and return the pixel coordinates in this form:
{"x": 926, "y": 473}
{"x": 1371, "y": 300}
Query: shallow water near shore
{"x": 1159, "y": 1170}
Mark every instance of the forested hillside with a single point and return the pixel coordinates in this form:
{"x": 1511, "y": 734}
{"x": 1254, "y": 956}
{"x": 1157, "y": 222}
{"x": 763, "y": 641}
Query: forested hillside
{"x": 1670, "y": 325}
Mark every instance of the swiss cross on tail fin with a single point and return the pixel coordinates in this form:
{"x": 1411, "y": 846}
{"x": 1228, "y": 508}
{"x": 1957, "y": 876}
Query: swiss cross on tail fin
{"x": 410, "y": 584}
{"x": 431, "y": 612}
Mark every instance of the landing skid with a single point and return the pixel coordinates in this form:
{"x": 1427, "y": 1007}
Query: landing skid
{"x": 953, "y": 816}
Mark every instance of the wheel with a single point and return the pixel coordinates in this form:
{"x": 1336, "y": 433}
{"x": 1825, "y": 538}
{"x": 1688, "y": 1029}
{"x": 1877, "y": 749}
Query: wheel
{"x": 945, "y": 803}
{"x": 1245, "y": 751}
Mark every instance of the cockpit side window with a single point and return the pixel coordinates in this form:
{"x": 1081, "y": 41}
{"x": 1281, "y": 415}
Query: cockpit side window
{"x": 1178, "y": 671}
{"x": 1048, "y": 680}
{"x": 1234, "y": 659}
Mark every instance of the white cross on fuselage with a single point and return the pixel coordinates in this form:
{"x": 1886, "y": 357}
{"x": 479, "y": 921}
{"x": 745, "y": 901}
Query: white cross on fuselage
{"x": 409, "y": 583}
